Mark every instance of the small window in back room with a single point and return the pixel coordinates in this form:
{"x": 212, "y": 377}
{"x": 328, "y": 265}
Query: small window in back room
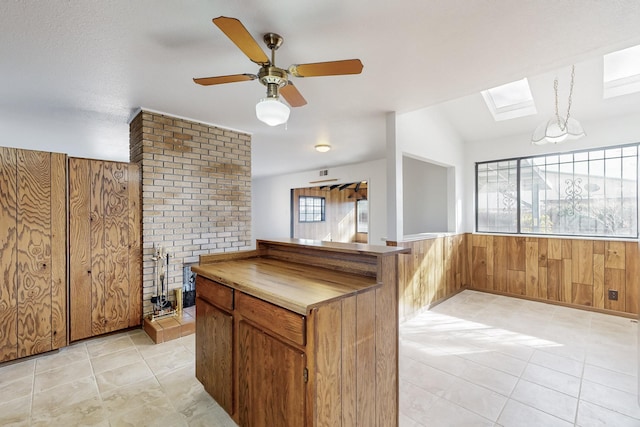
{"x": 312, "y": 209}
{"x": 362, "y": 209}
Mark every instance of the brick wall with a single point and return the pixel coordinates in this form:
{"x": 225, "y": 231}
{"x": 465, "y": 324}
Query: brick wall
{"x": 196, "y": 191}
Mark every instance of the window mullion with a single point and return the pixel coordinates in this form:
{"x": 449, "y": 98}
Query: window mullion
{"x": 518, "y": 197}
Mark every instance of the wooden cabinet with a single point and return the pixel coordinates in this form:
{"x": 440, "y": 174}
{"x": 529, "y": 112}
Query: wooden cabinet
{"x": 312, "y": 334}
{"x": 271, "y": 371}
{"x": 271, "y": 380}
{"x": 33, "y": 316}
{"x": 214, "y": 343}
{"x": 104, "y": 247}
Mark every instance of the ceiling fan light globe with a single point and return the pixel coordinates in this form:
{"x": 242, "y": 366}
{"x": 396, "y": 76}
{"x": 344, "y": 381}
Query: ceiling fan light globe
{"x": 272, "y": 112}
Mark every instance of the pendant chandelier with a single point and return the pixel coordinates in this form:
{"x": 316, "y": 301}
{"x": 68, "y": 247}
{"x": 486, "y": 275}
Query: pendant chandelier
{"x": 559, "y": 129}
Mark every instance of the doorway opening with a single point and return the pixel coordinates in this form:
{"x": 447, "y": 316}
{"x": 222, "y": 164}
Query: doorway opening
{"x": 332, "y": 212}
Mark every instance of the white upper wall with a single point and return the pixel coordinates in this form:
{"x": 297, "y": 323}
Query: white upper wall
{"x": 425, "y": 188}
{"x": 271, "y": 207}
{"x": 427, "y": 135}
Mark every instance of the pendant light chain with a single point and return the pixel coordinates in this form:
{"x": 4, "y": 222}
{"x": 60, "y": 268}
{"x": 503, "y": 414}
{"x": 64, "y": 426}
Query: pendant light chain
{"x": 563, "y": 126}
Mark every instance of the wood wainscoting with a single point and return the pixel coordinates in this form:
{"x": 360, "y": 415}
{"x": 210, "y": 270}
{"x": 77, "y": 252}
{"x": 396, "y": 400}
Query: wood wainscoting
{"x": 575, "y": 272}
{"x": 434, "y": 271}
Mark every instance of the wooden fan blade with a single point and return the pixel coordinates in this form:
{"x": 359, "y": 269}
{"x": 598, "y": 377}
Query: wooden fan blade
{"x": 331, "y": 68}
{"x": 208, "y": 81}
{"x": 293, "y": 97}
{"x": 238, "y": 34}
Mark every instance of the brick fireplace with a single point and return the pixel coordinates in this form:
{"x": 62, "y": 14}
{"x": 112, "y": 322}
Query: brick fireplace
{"x": 196, "y": 192}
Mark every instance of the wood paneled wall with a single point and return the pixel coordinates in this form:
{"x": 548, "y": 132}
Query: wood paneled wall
{"x": 570, "y": 271}
{"x": 340, "y": 224}
{"x": 433, "y": 271}
{"x": 104, "y": 247}
{"x": 33, "y": 314}
{"x": 574, "y": 272}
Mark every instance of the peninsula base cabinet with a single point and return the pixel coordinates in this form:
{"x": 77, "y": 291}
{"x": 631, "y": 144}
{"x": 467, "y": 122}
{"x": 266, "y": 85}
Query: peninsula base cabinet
{"x": 280, "y": 343}
{"x": 271, "y": 372}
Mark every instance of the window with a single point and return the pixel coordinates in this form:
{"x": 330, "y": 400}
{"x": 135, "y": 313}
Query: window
{"x": 496, "y": 198}
{"x": 510, "y": 101}
{"x": 362, "y": 211}
{"x": 311, "y": 209}
{"x": 585, "y": 193}
{"x": 621, "y": 72}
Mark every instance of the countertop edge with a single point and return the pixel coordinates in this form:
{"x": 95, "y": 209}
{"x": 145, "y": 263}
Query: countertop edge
{"x": 273, "y": 298}
{"x": 355, "y": 248}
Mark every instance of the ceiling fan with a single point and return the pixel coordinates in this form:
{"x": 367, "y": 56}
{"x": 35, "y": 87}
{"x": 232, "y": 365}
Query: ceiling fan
{"x": 277, "y": 80}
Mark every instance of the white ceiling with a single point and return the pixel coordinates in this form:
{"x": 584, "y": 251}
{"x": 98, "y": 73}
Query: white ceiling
{"x": 78, "y": 70}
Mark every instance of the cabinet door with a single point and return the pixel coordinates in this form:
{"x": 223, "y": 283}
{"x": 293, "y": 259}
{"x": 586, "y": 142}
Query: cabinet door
{"x": 32, "y": 252}
{"x": 214, "y": 350}
{"x": 116, "y": 245}
{"x": 104, "y": 247}
{"x": 271, "y": 380}
{"x": 8, "y": 256}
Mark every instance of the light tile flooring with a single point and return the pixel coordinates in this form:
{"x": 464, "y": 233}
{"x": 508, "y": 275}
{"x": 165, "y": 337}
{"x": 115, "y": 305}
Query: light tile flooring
{"x": 485, "y": 360}
{"x": 474, "y": 360}
{"x": 119, "y": 380}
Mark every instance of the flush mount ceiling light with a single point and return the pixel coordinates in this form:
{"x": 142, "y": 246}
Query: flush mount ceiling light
{"x": 559, "y": 129}
{"x": 322, "y": 148}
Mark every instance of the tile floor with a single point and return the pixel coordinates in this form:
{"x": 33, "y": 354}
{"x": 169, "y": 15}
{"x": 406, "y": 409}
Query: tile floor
{"x": 119, "y": 380}
{"x": 486, "y": 360}
{"x": 474, "y": 360}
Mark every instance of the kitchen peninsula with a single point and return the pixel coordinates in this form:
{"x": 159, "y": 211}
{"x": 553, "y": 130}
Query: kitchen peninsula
{"x": 300, "y": 333}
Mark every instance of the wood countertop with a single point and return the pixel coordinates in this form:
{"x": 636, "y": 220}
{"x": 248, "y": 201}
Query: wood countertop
{"x": 294, "y": 286}
{"x": 338, "y": 247}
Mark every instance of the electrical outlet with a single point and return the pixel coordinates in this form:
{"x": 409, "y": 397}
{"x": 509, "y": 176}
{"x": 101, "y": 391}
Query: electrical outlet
{"x": 613, "y": 295}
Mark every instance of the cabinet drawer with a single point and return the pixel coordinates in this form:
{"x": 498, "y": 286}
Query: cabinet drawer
{"x": 215, "y": 293}
{"x": 283, "y": 322}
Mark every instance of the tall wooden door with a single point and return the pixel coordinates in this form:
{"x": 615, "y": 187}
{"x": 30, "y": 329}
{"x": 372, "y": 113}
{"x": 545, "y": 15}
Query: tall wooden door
{"x": 104, "y": 247}
{"x": 32, "y": 252}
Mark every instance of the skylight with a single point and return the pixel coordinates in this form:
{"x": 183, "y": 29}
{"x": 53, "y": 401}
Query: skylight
{"x": 622, "y": 72}
{"x": 510, "y": 100}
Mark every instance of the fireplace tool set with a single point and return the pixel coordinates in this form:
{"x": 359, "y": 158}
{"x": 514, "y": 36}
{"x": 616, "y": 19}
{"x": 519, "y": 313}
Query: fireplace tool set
{"x": 162, "y": 307}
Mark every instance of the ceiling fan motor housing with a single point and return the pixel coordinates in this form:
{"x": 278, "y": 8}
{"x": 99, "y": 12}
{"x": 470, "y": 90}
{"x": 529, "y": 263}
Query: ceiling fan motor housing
{"x": 273, "y": 78}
